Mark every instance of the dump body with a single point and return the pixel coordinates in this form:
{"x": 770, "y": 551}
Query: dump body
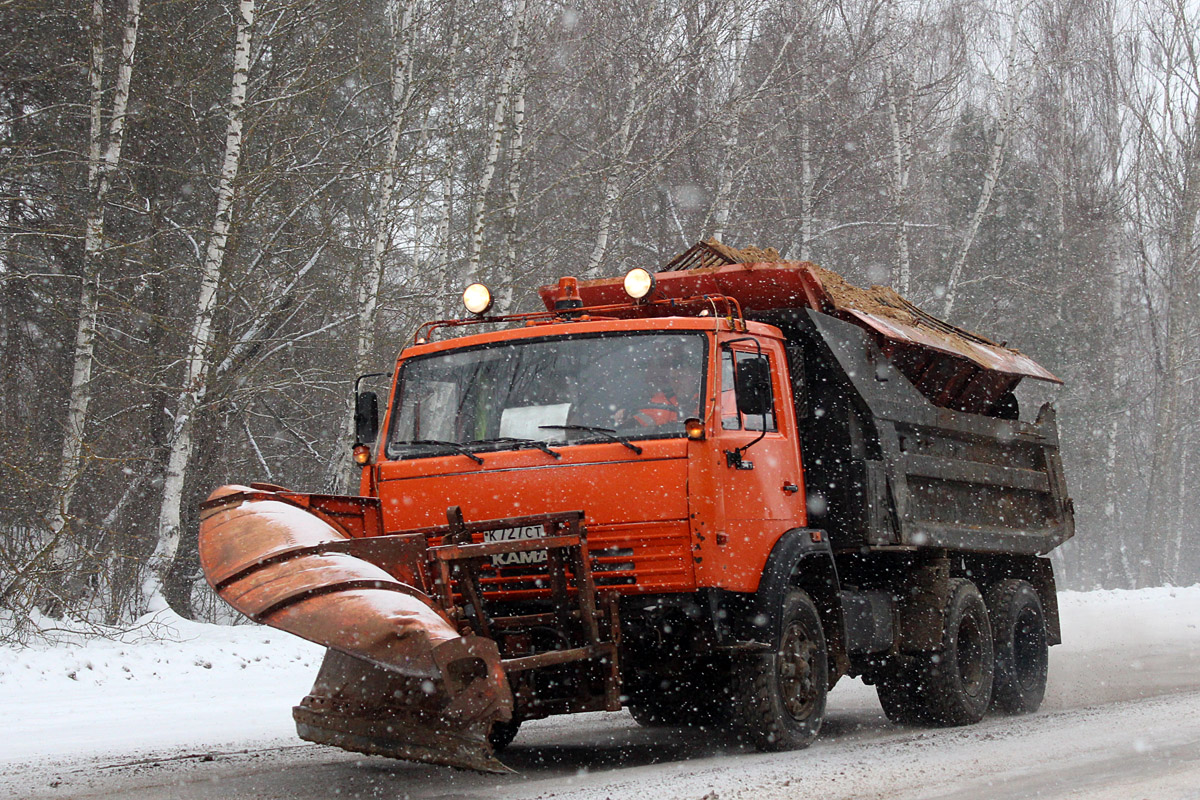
{"x": 907, "y": 472}
{"x": 756, "y": 470}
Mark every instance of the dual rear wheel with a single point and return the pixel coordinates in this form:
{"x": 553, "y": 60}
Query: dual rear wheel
{"x": 992, "y": 654}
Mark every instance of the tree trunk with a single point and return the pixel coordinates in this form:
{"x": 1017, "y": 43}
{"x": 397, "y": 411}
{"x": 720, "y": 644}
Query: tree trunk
{"x": 512, "y": 55}
{"x": 195, "y": 383}
{"x": 613, "y": 179}
{"x": 516, "y": 149}
{"x": 1008, "y": 108}
{"x": 902, "y": 131}
{"x": 103, "y": 158}
{"x": 399, "y": 22}
{"x": 731, "y": 132}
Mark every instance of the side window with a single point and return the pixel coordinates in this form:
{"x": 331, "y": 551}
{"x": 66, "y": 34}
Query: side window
{"x": 731, "y": 419}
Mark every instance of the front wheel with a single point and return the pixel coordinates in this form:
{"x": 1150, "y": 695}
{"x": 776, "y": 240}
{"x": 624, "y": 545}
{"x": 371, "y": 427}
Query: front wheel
{"x": 780, "y": 696}
{"x": 502, "y": 733}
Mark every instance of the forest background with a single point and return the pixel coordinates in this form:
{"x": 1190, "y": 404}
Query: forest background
{"x": 214, "y": 214}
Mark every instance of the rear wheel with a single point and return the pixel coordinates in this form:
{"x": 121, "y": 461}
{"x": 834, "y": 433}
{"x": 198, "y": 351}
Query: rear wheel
{"x": 953, "y": 684}
{"x": 1022, "y": 654}
{"x": 957, "y": 681}
{"x": 779, "y": 696}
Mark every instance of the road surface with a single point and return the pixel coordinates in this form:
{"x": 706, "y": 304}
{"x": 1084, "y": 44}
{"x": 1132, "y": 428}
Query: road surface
{"x": 1118, "y": 722}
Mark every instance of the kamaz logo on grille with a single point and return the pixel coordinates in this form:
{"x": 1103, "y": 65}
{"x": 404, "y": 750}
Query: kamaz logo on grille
{"x": 513, "y": 535}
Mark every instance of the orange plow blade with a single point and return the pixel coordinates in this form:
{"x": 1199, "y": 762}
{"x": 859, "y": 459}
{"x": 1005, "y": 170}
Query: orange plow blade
{"x": 399, "y": 680}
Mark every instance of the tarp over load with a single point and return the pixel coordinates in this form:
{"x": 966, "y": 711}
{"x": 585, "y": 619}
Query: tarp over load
{"x": 952, "y": 367}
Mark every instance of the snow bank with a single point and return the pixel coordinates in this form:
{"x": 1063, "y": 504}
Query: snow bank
{"x": 1097, "y": 620}
{"x": 170, "y": 683}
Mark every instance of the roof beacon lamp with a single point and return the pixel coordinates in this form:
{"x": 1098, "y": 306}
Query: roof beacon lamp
{"x": 568, "y": 294}
{"x": 477, "y": 299}
{"x": 639, "y": 283}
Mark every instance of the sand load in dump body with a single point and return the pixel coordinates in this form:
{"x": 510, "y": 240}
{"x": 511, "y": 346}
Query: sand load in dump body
{"x": 300, "y": 563}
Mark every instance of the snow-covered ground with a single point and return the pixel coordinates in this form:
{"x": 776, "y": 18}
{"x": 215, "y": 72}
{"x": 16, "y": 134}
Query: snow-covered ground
{"x": 194, "y": 690}
{"x": 172, "y": 683}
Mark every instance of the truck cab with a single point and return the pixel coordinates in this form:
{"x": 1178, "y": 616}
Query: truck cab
{"x": 637, "y": 422}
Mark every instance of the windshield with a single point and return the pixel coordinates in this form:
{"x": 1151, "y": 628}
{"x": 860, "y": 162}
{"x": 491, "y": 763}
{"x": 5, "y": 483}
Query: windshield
{"x": 562, "y": 390}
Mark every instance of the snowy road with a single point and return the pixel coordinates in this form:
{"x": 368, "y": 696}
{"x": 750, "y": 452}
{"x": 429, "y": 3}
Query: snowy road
{"x": 1121, "y": 720}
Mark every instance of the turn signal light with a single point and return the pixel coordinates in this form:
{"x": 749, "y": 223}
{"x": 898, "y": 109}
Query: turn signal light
{"x": 694, "y": 428}
{"x": 362, "y": 454}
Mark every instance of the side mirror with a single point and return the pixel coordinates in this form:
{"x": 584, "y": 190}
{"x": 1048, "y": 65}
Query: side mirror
{"x": 366, "y": 418}
{"x": 752, "y": 380}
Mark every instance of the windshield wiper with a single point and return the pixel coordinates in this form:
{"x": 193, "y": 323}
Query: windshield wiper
{"x": 608, "y": 433}
{"x": 538, "y": 443}
{"x": 455, "y": 446}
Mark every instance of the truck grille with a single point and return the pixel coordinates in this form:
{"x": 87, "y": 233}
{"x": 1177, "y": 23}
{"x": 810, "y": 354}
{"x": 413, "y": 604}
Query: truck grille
{"x": 648, "y": 557}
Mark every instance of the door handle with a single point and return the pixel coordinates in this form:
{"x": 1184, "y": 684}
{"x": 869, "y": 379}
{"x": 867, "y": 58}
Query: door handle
{"x": 791, "y": 488}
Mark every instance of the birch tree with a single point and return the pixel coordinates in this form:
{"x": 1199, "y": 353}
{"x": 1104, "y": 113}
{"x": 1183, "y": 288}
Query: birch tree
{"x": 197, "y": 361}
{"x": 1166, "y": 101}
{"x": 900, "y": 105}
{"x": 657, "y": 57}
{"x": 740, "y": 98}
{"x": 496, "y": 135}
{"x": 399, "y": 21}
{"x": 1012, "y": 95}
{"x": 104, "y": 155}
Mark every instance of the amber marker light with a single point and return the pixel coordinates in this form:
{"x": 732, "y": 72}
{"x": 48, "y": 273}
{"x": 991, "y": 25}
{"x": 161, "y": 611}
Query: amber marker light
{"x": 362, "y": 454}
{"x": 694, "y": 428}
{"x": 639, "y": 283}
{"x": 477, "y": 298}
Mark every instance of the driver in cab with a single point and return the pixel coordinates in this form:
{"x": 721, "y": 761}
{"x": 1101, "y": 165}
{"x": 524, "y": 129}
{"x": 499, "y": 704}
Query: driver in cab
{"x": 672, "y": 393}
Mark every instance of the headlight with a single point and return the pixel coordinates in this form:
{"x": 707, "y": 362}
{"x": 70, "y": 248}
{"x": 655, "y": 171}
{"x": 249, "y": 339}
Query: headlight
{"x": 638, "y": 283}
{"x": 477, "y": 298}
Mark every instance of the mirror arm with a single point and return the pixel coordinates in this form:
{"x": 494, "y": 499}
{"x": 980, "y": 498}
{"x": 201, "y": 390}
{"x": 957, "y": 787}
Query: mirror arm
{"x": 366, "y": 375}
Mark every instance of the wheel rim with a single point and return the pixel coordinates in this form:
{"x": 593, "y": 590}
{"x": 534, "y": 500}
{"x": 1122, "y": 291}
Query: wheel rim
{"x": 796, "y": 672}
{"x": 969, "y": 656}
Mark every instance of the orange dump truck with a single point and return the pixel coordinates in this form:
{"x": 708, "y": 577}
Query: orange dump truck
{"x": 704, "y": 494}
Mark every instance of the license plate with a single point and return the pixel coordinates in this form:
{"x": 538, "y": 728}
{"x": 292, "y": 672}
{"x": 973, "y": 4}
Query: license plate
{"x": 519, "y": 559}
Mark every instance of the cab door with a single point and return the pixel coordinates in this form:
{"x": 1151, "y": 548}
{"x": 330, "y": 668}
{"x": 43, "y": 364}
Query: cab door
{"x": 758, "y": 469}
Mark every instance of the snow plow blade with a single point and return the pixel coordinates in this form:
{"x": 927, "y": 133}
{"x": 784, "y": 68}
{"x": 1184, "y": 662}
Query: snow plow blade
{"x": 398, "y": 679}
